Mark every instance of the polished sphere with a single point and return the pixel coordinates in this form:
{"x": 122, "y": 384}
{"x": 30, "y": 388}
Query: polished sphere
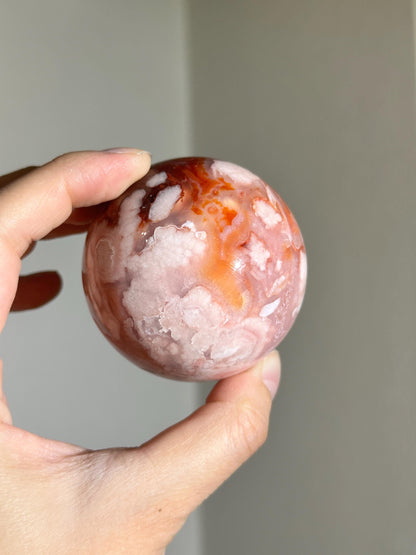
{"x": 196, "y": 271}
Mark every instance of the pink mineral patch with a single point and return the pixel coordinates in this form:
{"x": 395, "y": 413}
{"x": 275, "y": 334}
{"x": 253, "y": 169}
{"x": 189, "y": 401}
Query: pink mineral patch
{"x": 196, "y": 271}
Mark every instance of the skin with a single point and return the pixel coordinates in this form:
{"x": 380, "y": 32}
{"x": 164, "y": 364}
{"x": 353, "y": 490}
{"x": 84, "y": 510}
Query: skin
{"x": 63, "y": 499}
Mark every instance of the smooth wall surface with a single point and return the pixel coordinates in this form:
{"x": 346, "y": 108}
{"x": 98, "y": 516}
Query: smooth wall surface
{"x": 318, "y": 98}
{"x": 77, "y": 75}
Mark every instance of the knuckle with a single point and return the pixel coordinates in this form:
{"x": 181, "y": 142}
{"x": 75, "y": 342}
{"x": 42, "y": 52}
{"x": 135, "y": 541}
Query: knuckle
{"x": 250, "y": 427}
{"x": 82, "y": 174}
{"x": 63, "y": 161}
{"x": 61, "y": 166}
{"x": 66, "y": 164}
{"x": 78, "y": 175}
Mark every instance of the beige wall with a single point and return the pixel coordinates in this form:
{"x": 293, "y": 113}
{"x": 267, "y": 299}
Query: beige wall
{"x": 318, "y": 98}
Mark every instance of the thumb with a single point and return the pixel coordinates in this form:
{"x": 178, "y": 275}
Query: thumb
{"x": 5, "y": 415}
{"x": 184, "y": 464}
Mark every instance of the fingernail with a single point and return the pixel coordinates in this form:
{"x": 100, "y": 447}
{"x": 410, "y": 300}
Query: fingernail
{"x": 271, "y": 372}
{"x": 127, "y": 150}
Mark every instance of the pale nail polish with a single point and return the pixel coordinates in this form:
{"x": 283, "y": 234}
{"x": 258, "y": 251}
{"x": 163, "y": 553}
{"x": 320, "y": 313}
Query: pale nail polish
{"x": 127, "y": 150}
{"x": 271, "y": 372}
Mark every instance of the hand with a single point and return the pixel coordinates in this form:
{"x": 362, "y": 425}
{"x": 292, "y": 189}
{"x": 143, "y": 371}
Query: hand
{"x": 60, "y": 498}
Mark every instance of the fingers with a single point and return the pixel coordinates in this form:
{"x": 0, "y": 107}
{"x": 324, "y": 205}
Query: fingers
{"x": 35, "y": 290}
{"x": 182, "y": 466}
{"x": 5, "y": 416}
{"x": 67, "y": 229}
{"x": 196, "y": 456}
{"x": 42, "y": 199}
{"x": 78, "y": 222}
{"x": 10, "y": 177}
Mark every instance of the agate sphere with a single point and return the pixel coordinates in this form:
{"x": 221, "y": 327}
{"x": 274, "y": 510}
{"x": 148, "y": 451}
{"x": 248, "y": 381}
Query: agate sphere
{"x": 197, "y": 271}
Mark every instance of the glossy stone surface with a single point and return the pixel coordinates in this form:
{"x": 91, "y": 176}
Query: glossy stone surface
{"x": 196, "y": 271}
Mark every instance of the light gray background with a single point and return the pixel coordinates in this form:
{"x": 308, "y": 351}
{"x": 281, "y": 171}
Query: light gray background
{"x": 320, "y": 101}
{"x": 75, "y": 75}
{"x": 318, "y": 98}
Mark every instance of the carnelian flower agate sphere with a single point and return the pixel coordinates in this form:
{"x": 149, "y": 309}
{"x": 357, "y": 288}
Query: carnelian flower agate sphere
{"x": 196, "y": 271}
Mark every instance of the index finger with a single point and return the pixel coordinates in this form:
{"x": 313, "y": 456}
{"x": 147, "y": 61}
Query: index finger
{"x": 79, "y": 219}
{"x": 41, "y": 200}
{"x": 12, "y": 176}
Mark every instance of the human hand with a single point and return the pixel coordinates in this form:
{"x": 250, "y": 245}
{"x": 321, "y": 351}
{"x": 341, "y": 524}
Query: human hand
{"x": 59, "y": 498}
